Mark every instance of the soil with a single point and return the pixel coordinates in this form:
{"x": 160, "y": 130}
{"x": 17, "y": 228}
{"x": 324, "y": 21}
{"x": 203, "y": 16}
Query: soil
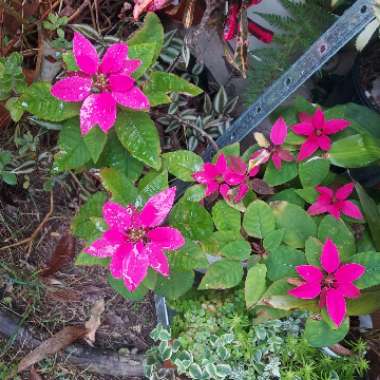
{"x": 65, "y": 298}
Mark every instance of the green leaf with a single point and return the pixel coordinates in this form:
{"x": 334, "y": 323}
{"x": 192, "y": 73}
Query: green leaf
{"x": 354, "y": 151}
{"x": 38, "y": 101}
{"x": 367, "y": 303}
{"x": 8, "y": 178}
{"x": 182, "y": 164}
{"x": 13, "y": 105}
{"x": 255, "y": 284}
{"x": 95, "y": 141}
{"x": 150, "y": 32}
{"x": 194, "y": 193}
{"x": 228, "y": 150}
{"x": 289, "y": 303}
{"x": 145, "y": 53}
{"x": 313, "y": 171}
{"x": 297, "y": 223}
{"x": 319, "y": 334}
{"x": 152, "y": 183}
{"x": 69, "y": 61}
{"x": 313, "y": 250}
{"x": 214, "y": 242}
{"x": 189, "y": 257}
{"x": 273, "y": 239}
{"x": 192, "y": 219}
{"x": 282, "y": 261}
{"x": 82, "y": 225}
{"x": 85, "y": 259}
{"x": 138, "y": 134}
{"x": 176, "y": 285}
{"x": 73, "y": 152}
{"x": 289, "y": 195}
{"x": 259, "y": 220}
{"x": 225, "y": 217}
{"x": 122, "y": 189}
{"x": 120, "y": 288}
{"x": 309, "y": 194}
{"x": 115, "y": 156}
{"x": 340, "y": 234}
{"x": 274, "y": 177}
{"x": 236, "y": 250}
{"x": 371, "y": 277}
{"x": 371, "y": 213}
{"x": 164, "y": 83}
{"x": 222, "y": 274}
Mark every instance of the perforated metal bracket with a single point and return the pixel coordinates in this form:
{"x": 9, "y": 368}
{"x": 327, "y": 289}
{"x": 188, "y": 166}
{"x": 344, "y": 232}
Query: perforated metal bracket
{"x": 337, "y": 36}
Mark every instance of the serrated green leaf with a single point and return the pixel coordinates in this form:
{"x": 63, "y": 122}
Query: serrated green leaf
{"x": 259, "y": 220}
{"x": 152, "y": 183}
{"x": 274, "y": 177}
{"x": 120, "y": 288}
{"x": 138, "y": 134}
{"x": 38, "y": 101}
{"x": 122, "y": 189}
{"x": 309, "y": 194}
{"x": 236, "y": 250}
{"x": 255, "y": 284}
{"x": 85, "y": 259}
{"x": 222, "y": 274}
{"x": 371, "y": 276}
{"x": 95, "y": 141}
{"x": 182, "y": 164}
{"x": 273, "y": 239}
{"x": 367, "y": 303}
{"x": 145, "y": 53}
{"x": 225, "y": 217}
{"x": 289, "y": 195}
{"x": 189, "y": 257}
{"x": 176, "y": 285}
{"x": 313, "y": 250}
{"x": 69, "y": 60}
{"x": 13, "y": 105}
{"x": 313, "y": 171}
{"x": 340, "y": 234}
{"x": 194, "y": 193}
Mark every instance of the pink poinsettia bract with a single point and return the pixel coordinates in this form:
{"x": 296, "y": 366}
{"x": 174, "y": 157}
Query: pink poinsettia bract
{"x": 335, "y": 202}
{"x": 101, "y": 85}
{"x": 317, "y": 130}
{"x": 134, "y": 241}
{"x": 333, "y": 282}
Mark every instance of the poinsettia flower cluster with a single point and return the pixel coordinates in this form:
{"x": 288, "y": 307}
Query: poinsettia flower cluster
{"x": 332, "y": 282}
{"x": 135, "y": 240}
{"x": 101, "y": 85}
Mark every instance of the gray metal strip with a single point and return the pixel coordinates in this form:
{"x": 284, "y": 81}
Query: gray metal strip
{"x": 338, "y": 35}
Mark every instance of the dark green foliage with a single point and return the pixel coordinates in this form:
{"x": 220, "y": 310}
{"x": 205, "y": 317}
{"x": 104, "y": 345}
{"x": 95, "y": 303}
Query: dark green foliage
{"x": 307, "y": 21}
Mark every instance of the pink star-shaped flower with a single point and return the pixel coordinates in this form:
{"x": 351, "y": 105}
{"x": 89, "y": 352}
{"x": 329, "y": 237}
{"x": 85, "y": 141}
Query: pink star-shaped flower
{"x": 134, "y": 241}
{"x": 335, "y": 203}
{"x": 228, "y": 177}
{"x": 317, "y": 131}
{"x": 332, "y": 283}
{"x": 275, "y": 150}
{"x": 101, "y": 86}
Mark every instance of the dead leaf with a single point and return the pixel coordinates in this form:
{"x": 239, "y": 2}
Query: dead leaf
{"x": 56, "y": 343}
{"x": 63, "y": 254}
{"x": 261, "y": 187}
{"x": 34, "y": 375}
{"x": 5, "y": 117}
{"x": 94, "y": 322}
{"x": 63, "y": 295}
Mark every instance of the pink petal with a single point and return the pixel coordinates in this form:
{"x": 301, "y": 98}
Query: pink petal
{"x": 349, "y": 272}
{"x": 307, "y": 149}
{"x": 131, "y": 65}
{"x": 211, "y": 188}
{"x": 85, "y": 54}
{"x": 72, "y": 89}
{"x": 254, "y": 171}
{"x": 348, "y": 290}
{"x": 334, "y": 210}
{"x": 102, "y": 247}
{"x": 166, "y": 237}
{"x": 133, "y": 98}
{"x": 325, "y": 192}
{"x": 318, "y": 118}
{"x": 98, "y": 109}
{"x": 120, "y": 83}
{"x": 276, "y": 159}
{"x": 330, "y": 260}
{"x": 116, "y": 264}
{"x": 285, "y": 155}
{"x": 310, "y": 273}
{"x": 335, "y": 126}
{"x": 221, "y": 164}
{"x": 242, "y": 191}
{"x": 237, "y": 165}
{"x": 335, "y": 306}
{"x": 279, "y": 132}
{"x": 305, "y": 117}
{"x": 324, "y": 142}
{"x": 135, "y": 266}
{"x": 224, "y": 192}
{"x": 157, "y": 260}
{"x": 318, "y": 208}
{"x": 157, "y": 208}
{"x": 344, "y": 191}
{"x": 303, "y": 129}
{"x": 117, "y": 216}
{"x": 114, "y": 59}
{"x": 306, "y": 291}
{"x": 350, "y": 209}
{"x": 233, "y": 178}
